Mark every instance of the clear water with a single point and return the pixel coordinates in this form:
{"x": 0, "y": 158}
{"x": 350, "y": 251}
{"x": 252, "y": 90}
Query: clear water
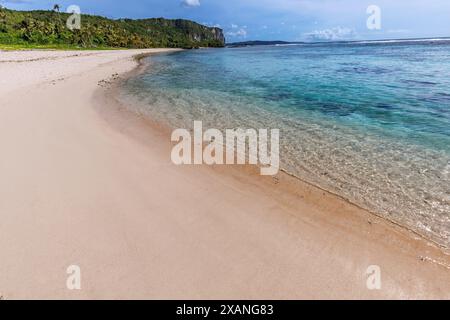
{"x": 370, "y": 122}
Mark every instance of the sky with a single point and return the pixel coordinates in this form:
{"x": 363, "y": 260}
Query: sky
{"x": 289, "y": 20}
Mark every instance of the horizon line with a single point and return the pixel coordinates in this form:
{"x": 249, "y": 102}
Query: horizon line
{"x": 437, "y": 38}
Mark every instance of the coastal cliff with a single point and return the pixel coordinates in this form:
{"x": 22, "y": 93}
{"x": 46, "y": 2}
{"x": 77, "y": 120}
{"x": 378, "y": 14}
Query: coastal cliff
{"x": 48, "y": 29}
{"x": 188, "y": 33}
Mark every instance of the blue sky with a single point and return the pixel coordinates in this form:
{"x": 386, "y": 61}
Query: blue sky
{"x": 295, "y": 20}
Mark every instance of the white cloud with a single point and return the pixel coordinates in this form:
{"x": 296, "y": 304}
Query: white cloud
{"x": 238, "y": 33}
{"x": 191, "y": 3}
{"x": 333, "y": 34}
{"x": 209, "y": 24}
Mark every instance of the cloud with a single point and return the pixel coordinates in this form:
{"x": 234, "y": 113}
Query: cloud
{"x": 238, "y": 33}
{"x": 213, "y": 25}
{"x": 191, "y": 3}
{"x": 333, "y": 34}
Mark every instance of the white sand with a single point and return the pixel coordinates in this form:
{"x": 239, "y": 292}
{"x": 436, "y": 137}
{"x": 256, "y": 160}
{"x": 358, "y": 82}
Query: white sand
{"x": 87, "y": 184}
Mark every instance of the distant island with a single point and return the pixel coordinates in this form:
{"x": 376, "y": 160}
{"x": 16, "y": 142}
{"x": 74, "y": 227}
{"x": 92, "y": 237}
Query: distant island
{"x": 372, "y": 42}
{"x": 259, "y": 43}
{"x": 48, "y": 29}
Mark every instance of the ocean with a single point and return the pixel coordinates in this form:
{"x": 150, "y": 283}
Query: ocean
{"x": 367, "y": 121}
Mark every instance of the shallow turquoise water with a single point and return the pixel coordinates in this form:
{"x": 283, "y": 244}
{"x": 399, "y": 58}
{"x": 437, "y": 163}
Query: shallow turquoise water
{"x": 370, "y": 122}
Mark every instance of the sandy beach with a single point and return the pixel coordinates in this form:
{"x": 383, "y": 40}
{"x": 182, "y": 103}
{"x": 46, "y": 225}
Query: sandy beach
{"x": 85, "y": 182}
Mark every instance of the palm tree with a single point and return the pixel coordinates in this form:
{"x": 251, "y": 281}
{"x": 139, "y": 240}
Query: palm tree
{"x": 56, "y": 8}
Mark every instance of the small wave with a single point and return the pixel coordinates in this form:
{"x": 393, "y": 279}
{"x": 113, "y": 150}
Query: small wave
{"x": 420, "y": 82}
{"x": 359, "y": 69}
{"x": 393, "y": 41}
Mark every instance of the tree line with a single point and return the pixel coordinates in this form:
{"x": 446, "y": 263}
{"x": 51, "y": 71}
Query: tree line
{"x": 49, "y": 28}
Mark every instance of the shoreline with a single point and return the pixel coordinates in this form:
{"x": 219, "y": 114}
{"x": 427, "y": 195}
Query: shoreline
{"x": 289, "y": 175}
{"x": 295, "y": 183}
{"x": 251, "y": 171}
{"x": 92, "y": 183}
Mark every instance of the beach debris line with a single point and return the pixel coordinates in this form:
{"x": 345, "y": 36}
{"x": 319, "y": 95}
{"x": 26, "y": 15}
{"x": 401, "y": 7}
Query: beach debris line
{"x": 107, "y": 82}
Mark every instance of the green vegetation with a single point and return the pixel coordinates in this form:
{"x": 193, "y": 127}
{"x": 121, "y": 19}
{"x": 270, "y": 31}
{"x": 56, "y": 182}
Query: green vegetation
{"x": 47, "y": 29}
